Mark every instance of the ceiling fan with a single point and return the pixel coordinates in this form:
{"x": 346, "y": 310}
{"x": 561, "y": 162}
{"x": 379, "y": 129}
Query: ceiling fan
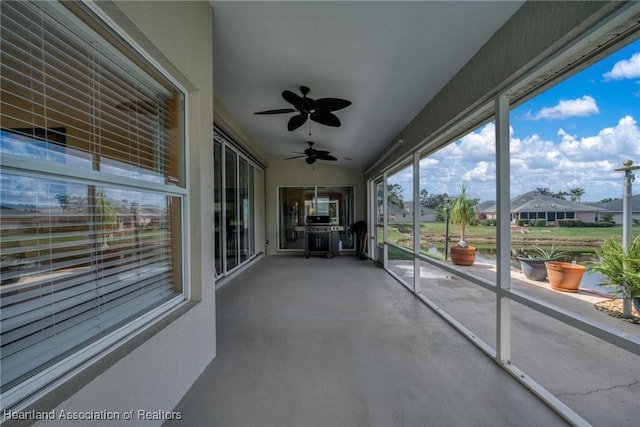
{"x": 319, "y": 110}
{"x": 312, "y": 155}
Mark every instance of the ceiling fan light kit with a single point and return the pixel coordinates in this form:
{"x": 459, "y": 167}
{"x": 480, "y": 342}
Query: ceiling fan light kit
{"x": 318, "y": 110}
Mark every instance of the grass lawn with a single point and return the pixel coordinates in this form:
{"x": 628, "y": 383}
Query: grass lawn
{"x": 544, "y": 236}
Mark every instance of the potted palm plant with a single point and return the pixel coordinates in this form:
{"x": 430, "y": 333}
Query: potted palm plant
{"x": 462, "y": 211}
{"x": 621, "y": 271}
{"x": 532, "y": 264}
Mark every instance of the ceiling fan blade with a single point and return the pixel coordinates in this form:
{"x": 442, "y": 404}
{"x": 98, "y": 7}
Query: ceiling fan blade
{"x": 278, "y": 111}
{"x": 293, "y": 99}
{"x": 326, "y": 157}
{"x": 296, "y": 121}
{"x": 295, "y": 157}
{"x": 330, "y": 104}
{"x": 325, "y": 118}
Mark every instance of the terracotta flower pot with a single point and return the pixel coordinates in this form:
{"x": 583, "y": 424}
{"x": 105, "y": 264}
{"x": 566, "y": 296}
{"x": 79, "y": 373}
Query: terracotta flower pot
{"x": 564, "y": 276}
{"x": 463, "y": 256}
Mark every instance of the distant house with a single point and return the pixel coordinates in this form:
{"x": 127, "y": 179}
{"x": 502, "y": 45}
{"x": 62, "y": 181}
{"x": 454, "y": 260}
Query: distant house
{"x": 533, "y": 205}
{"x": 615, "y": 208}
{"x": 483, "y": 208}
{"x": 404, "y": 214}
{"x": 426, "y": 214}
{"x": 398, "y": 214}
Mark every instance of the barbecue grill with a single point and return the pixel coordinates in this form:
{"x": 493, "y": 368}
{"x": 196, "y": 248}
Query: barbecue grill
{"x": 319, "y": 233}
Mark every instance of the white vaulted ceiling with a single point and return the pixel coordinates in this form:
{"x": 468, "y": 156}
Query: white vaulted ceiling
{"x": 388, "y": 58}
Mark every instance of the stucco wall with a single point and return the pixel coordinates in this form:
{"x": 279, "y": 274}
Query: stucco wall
{"x": 155, "y": 375}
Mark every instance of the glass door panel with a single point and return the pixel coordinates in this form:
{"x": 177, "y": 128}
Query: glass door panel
{"x": 295, "y": 204}
{"x": 252, "y": 214}
{"x": 232, "y": 217}
{"x": 217, "y": 202}
{"x": 243, "y": 207}
{"x": 338, "y": 204}
{"x": 379, "y": 214}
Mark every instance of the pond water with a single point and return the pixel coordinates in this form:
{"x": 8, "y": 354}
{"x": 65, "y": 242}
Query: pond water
{"x": 589, "y": 281}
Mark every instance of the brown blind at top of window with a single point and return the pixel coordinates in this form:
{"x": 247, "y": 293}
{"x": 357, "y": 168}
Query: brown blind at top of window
{"x": 51, "y": 78}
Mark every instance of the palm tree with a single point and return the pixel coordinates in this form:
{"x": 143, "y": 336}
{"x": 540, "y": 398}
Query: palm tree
{"x": 463, "y": 212}
{"x": 576, "y": 193}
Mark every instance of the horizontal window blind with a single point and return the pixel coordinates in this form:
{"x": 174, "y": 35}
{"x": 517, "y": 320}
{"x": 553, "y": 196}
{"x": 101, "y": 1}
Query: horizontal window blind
{"x": 121, "y": 123}
{"x": 77, "y": 261}
{"x": 80, "y": 258}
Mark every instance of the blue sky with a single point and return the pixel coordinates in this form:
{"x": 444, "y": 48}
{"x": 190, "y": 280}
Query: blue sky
{"x": 572, "y": 135}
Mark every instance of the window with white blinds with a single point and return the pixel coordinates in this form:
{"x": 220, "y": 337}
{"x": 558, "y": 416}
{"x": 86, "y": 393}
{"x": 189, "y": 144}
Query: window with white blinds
{"x": 92, "y": 187}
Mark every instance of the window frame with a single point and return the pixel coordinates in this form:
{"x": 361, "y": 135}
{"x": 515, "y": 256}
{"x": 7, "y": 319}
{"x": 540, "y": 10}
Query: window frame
{"x": 27, "y": 391}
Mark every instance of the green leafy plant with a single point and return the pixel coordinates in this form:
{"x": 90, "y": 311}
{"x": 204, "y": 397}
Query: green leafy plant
{"x": 622, "y": 271}
{"x": 547, "y": 254}
{"x": 463, "y": 212}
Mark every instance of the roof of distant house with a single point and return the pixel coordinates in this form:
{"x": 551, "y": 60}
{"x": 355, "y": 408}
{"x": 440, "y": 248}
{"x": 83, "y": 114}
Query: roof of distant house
{"x": 533, "y": 201}
{"x": 616, "y": 205}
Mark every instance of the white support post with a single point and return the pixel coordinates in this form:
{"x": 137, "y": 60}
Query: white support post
{"x": 416, "y": 221}
{"x": 626, "y": 232}
{"x": 385, "y": 222}
{"x": 503, "y": 304}
{"x": 626, "y": 223}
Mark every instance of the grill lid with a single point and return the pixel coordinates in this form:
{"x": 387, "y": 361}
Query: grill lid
{"x": 318, "y": 220}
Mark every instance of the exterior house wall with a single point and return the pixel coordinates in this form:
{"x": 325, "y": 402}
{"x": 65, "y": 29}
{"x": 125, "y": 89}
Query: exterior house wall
{"x": 157, "y": 366}
{"x": 585, "y": 216}
{"x": 618, "y": 217}
{"x": 428, "y": 216}
{"x": 400, "y": 218}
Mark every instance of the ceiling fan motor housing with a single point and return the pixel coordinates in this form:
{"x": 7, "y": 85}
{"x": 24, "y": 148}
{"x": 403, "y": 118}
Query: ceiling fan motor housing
{"x": 311, "y": 155}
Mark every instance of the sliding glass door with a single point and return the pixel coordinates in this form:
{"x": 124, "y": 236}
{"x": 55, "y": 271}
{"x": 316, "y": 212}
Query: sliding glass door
{"x": 234, "y": 192}
{"x": 231, "y": 207}
{"x": 296, "y": 203}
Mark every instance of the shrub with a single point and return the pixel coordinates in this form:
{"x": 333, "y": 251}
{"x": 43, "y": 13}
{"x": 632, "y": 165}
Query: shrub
{"x": 619, "y": 268}
{"x": 539, "y": 223}
{"x": 599, "y": 224}
{"x": 404, "y": 229}
{"x": 570, "y": 222}
{"x": 607, "y": 217}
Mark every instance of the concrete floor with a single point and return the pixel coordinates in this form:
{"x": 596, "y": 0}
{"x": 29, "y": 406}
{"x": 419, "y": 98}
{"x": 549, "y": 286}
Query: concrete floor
{"x": 318, "y": 342}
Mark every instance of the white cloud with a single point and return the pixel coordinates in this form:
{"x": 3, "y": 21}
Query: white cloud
{"x": 571, "y": 161}
{"x": 625, "y": 69}
{"x": 582, "y": 107}
{"x": 482, "y": 171}
{"x": 563, "y": 162}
